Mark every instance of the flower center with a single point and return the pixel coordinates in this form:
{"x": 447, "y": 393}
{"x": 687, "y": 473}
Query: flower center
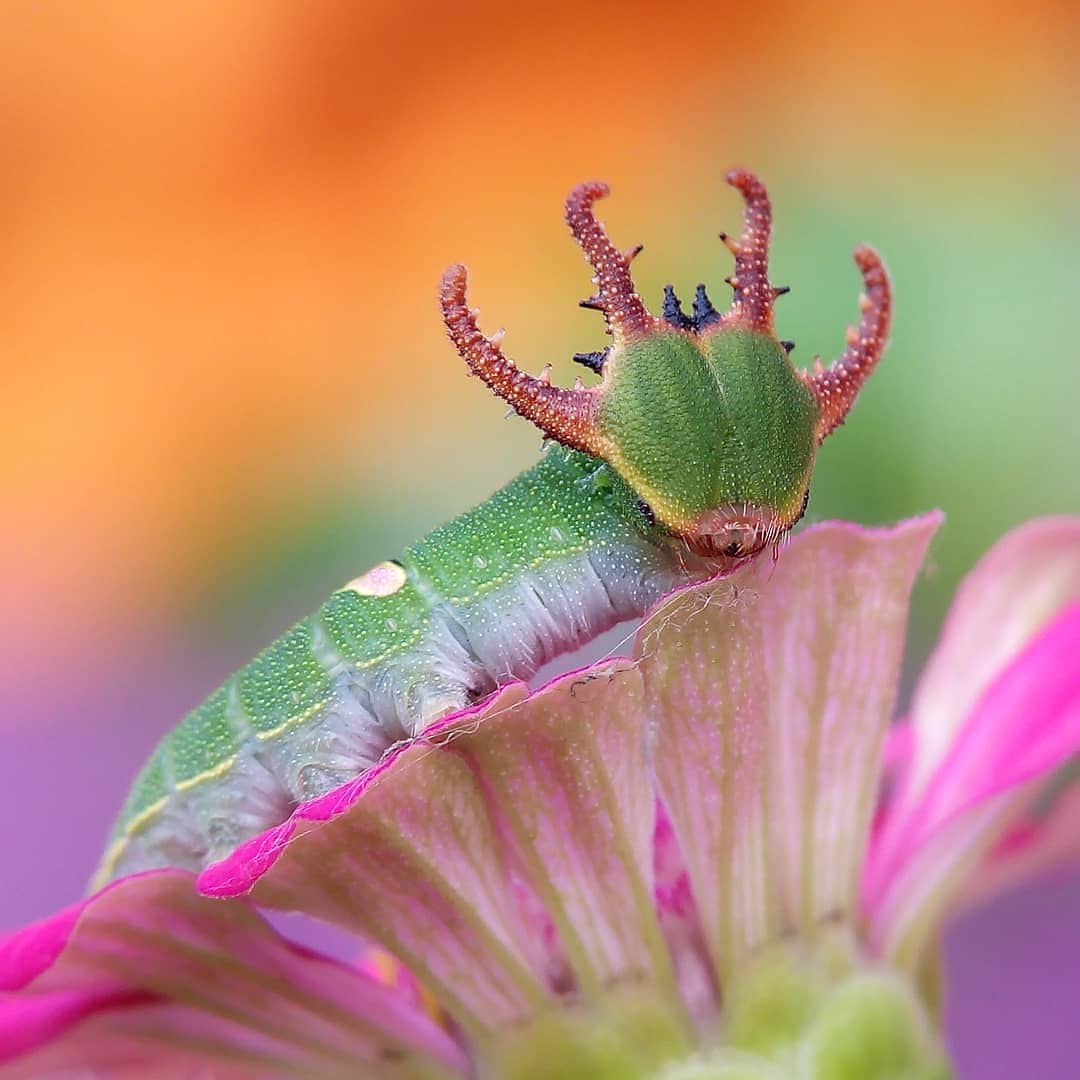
{"x": 816, "y": 1010}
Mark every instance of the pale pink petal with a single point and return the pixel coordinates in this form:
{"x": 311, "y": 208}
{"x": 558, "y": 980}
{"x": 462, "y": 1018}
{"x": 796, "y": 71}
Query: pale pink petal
{"x": 572, "y": 785}
{"x": 896, "y": 757}
{"x": 1040, "y": 843}
{"x": 899, "y": 748}
{"x": 438, "y": 854}
{"x": 163, "y": 1040}
{"x": 172, "y": 1041}
{"x": 681, "y": 925}
{"x": 1022, "y": 730}
{"x": 770, "y": 703}
{"x": 1021, "y": 583}
{"x": 29, "y": 1021}
{"x": 148, "y": 973}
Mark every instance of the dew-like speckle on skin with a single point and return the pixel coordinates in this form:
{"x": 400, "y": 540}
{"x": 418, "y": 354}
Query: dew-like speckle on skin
{"x": 385, "y": 579}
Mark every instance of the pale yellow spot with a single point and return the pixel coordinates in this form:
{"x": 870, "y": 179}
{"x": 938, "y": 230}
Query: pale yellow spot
{"x": 382, "y": 580}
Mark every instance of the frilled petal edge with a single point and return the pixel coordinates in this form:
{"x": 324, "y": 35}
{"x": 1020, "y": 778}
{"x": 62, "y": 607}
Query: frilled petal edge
{"x": 505, "y": 855}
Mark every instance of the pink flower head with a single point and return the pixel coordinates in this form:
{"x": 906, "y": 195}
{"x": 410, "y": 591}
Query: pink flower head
{"x": 697, "y": 859}
{"x": 995, "y": 723}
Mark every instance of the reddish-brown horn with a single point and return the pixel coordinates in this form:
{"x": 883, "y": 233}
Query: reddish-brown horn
{"x": 752, "y": 304}
{"x": 836, "y": 386}
{"x": 568, "y": 416}
{"x": 624, "y": 312}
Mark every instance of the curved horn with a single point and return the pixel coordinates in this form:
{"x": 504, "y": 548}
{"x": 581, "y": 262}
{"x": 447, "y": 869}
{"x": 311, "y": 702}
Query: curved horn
{"x": 568, "y": 416}
{"x": 624, "y": 312}
{"x": 752, "y": 304}
{"x": 836, "y": 386}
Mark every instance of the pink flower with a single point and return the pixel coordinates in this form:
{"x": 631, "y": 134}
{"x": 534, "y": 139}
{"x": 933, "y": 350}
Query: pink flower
{"x": 697, "y": 860}
{"x": 977, "y": 802}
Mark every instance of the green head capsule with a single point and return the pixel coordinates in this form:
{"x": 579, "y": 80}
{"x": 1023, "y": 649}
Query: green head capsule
{"x": 702, "y": 414}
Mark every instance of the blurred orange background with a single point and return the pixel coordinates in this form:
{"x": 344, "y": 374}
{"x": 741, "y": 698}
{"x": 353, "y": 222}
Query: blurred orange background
{"x": 225, "y": 226}
{"x": 226, "y": 386}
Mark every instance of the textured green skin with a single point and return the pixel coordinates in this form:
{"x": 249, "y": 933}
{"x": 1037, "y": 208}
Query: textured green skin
{"x": 694, "y": 423}
{"x": 702, "y": 423}
{"x": 569, "y": 503}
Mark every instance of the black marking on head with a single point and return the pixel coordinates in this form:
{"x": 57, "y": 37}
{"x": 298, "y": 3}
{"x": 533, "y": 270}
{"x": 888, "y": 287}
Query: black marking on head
{"x": 594, "y": 361}
{"x": 704, "y": 312}
{"x": 805, "y": 504}
{"x": 673, "y": 313}
{"x": 780, "y": 290}
{"x": 788, "y": 346}
{"x": 646, "y": 511}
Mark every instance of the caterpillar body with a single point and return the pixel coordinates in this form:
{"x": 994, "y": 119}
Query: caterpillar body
{"x": 692, "y": 454}
{"x": 552, "y": 560}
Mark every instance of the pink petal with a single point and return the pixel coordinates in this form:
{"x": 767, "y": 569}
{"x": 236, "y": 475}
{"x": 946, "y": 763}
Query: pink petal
{"x": 681, "y": 925}
{"x": 1022, "y": 582}
{"x": 896, "y": 757}
{"x": 1040, "y": 843}
{"x": 770, "y": 705}
{"x": 443, "y": 855}
{"x": 31, "y": 950}
{"x": 1025, "y": 725}
{"x": 899, "y": 748}
{"x": 148, "y": 973}
{"x": 29, "y": 1021}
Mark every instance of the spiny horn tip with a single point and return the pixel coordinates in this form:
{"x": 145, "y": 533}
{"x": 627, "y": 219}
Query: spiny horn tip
{"x": 866, "y": 258}
{"x": 453, "y": 281}
{"x": 585, "y": 194}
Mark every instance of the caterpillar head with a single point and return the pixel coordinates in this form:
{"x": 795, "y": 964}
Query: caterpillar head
{"x": 702, "y": 414}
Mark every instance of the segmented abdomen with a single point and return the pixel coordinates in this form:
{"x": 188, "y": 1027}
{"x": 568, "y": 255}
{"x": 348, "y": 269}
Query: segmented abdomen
{"x": 549, "y": 562}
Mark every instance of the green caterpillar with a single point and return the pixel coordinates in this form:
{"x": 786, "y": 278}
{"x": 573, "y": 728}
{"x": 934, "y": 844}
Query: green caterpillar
{"x": 692, "y": 454}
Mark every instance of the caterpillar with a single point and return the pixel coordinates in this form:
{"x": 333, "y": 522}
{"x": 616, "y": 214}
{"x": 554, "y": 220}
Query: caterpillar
{"x": 693, "y": 453}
